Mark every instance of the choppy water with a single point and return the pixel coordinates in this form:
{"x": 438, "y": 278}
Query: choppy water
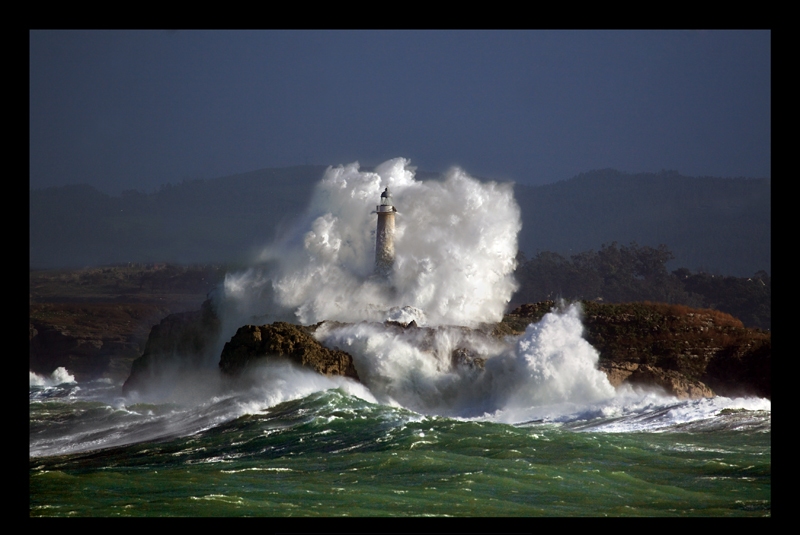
{"x": 331, "y": 453}
{"x": 535, "y": 429}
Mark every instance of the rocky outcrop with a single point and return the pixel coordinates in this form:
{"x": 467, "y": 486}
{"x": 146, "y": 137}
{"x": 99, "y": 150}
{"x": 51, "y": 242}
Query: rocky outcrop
{"x": 688, "y": 352}
{"x": 256, "y": 343}
{"x": 462, "y": 356}
{"x": 86, "y": 353}
{"x": 86, "y": 356}
{"x": 182, "y": 340}
{"x": 741, "y": 369}
{"x": 644, "y": 375}
{"x": 95, "y": 321}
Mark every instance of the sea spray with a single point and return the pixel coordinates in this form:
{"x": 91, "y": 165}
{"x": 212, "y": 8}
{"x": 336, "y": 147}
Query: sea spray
{"x": 455, "y": 250}
{"x": 648, "y": 411}
{"x": 284, "y": 440}
{"x": 557, "y": 365}
{"x": 454, "y": 256}
{"x": 547, "y": 371}
{"x": 59, "y": 376}
{"x": 273, "y": 382}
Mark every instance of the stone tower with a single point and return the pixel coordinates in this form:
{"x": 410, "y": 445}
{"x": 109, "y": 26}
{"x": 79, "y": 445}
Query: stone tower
{"x": 384, "y": 240}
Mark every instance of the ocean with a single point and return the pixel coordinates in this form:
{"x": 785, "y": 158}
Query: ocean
{"x": 328, "y": 452}
{"x": 526, "y": 426}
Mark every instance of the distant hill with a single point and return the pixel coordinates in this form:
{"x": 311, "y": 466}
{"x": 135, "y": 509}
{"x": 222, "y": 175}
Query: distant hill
{"x": 198, "y": 221}
{"x": 712, "y": 224}
{"x": 719, "y": 225}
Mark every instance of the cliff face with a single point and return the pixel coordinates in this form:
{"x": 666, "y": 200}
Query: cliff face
{"x": 181, "y": 340}
{"x": 95, "y": 321}
{"x": 89, "y": 339}
{"x": 86, "y": 355}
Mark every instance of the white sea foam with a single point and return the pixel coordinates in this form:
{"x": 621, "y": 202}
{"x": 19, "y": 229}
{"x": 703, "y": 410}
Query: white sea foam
{"x": 59, "y": 376}
{"x": 550, "y": 366}
{"x": 636, "y": 411}
{"x": 274, "y": 382}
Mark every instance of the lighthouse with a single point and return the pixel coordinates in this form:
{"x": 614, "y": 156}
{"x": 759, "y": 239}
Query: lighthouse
{"x": 384, "y": 239}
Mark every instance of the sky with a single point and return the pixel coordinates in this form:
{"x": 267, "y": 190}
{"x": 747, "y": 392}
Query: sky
{"x": 123, "y": 110}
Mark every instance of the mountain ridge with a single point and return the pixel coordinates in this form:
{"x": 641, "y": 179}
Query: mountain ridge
{"x": 710, "y": 223}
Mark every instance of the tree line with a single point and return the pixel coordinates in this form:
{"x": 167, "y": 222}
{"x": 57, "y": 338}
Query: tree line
{"x": 621, "y": 274}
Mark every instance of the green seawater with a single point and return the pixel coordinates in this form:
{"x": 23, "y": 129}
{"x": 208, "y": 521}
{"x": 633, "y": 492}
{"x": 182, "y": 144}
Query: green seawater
{"x": 330, "y": 454}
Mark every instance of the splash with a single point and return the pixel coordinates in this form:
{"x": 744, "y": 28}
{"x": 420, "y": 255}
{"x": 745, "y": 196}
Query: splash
{"x": 59, "y": 376}
{"x": 455, "y": 249}
{"x": 550, "y": 369}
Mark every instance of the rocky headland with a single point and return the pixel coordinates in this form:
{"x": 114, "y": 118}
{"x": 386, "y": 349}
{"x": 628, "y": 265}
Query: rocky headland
{"x": 179, "y": 341}
{"x": 689, "y": 353}
{"x": 90, "y": 339}
{"x": 96, "y": 321}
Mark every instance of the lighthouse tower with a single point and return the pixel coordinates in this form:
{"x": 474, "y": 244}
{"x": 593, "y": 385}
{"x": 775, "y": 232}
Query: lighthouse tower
{"x": 384, "y": 241}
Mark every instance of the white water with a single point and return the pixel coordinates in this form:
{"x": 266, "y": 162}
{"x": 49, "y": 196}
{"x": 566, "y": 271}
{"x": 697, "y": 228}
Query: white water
{"x": 550, "y": 364}
{"x": 548, "y": 375}
{"x": 59, "y": 376}
{"x": 455, "y": 246}
{"x": 456, "y": 241}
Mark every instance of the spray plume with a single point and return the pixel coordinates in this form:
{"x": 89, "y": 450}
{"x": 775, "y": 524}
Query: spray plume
{"x": 455, "y": 244}
{"x": 455, "y": 248}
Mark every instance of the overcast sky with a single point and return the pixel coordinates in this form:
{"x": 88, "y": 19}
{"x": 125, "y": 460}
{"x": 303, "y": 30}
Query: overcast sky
{"x": 136, "y": 109}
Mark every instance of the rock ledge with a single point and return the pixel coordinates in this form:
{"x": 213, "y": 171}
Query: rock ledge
{"x": 254, "y": 343}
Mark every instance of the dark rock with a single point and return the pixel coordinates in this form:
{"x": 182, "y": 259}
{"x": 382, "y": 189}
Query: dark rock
{"x": 91, "y": 336}
{"x": 689, "y": 352}
{"x": 253, "y": 343}
{"x": 741, "y": 369}
{"x": 516, "y": 321}
{"x": 182, "y": 340}
{"x": 462, "y": 356}
{"x": 86, "y": 355}
{"x": 672, "y": 382}
{"x": 618, "y": 372}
